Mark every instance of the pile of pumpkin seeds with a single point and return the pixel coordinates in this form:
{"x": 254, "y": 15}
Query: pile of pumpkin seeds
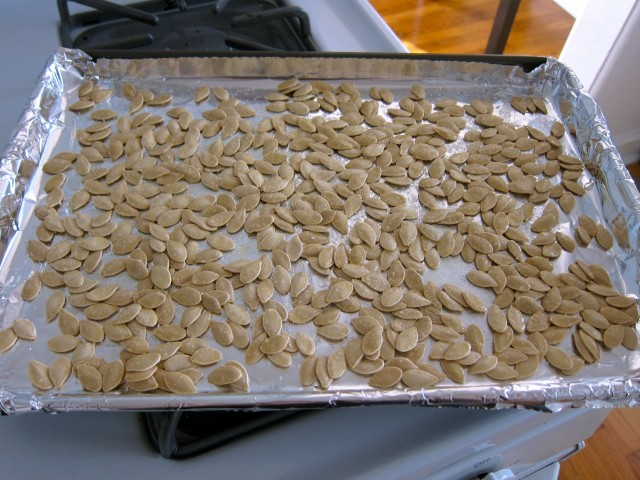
{"x": 348, "y": 202}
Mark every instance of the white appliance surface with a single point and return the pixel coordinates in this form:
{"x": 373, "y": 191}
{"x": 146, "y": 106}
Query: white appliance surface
{"x": 28, "y": 35}
{"x": 375, "y": 442}
{"x": 390, "y": 442}
{"x": 350, "y": 26}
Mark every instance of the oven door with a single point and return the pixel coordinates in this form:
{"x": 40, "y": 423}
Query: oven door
{"x": 387, "y": 442}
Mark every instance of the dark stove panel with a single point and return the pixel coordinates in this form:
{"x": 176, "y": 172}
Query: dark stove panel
{"x": 181, "y": 435}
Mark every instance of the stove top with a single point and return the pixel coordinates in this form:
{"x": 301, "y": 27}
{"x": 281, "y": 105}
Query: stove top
{"x": 181, "y": 27}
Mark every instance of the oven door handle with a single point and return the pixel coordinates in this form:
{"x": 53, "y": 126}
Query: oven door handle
{"x": 506, "y": 474}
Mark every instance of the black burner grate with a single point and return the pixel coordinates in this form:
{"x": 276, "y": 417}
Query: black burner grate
{"x": 179, "y": 26}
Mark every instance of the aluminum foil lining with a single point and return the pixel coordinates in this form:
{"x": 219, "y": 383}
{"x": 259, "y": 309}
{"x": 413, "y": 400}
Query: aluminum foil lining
{"x": 46, "y": 127}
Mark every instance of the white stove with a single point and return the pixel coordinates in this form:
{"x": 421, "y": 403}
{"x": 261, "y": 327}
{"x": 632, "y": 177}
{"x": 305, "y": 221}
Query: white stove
{"x": 390, "y": 442}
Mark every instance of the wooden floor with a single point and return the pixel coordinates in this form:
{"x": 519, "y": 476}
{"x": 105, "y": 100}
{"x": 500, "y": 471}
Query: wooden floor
{"x": 612, "y": 453}
{"x": 540, "y": 28}
{"x": 463, "y": 26}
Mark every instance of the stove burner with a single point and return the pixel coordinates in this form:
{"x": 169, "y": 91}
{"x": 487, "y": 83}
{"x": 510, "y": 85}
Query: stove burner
{"x": 175, "y": 26}
{"x": 180, "y": 435}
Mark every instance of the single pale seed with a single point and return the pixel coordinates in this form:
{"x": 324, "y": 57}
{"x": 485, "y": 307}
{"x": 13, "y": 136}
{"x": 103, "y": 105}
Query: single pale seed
{"x": 308, "y": 371}
{"x": 143, "y": 362}
{"x": 180, "y": 383}
{"x": 237, "y": 314}
{"x": 161, "y": 277}
{"x": 497, "y": 319}
{"x": 630, "y": 340}
{"x": 206, "y": 356}
{"x": 224, "y": 375}
{"x": 334, "y": 332}
{"x": 187, "y": 296}
{"x": 59, "y": 371}
{"x": 418, "y": 379}
{"x": 32, "y": 287}
{"x": 525, "y": 346}
{"x": 39, "y": 375}
{"x": 54, "y": 304}
{"x": 387, "y": 377}
{"x": 275, "y": 344}
{"x": 8, "y": 339}
{"x": 502, "y": 371}
{"x": 458, "y": 351}
{"x": 146, "y": 385}
{"x": 305, "y": 343}
{"x": 368, "y": 367}
{"x": 336, "y": 364}
{"x": 407, "y": 339}
{"x": 24, "y": 329}
{"x": 102, "y": 293}
{"x": 113, "y": 375}
{"x": 100, "y": 311}
{"x": 222, "y": 333}
{"x": 558, "y": 358}
{"x": 603, "y": 237}
{"x": 91, "y": 331}
{"x": 339, "y": 292}
{"x": 391, "y": 297}
{"x": 201, "y": 94}
{"x": 63, "y": 343}
{"x": 453, "y": 370}
{"x": 136, "y": 345}
{"x": 473, "y": 302}
{"x": 89, "y": 377}
{"x": 481, "y": 279}
{"x": 303, "y": 314}
{"x": 169, "y": 333}
{"x": 37, "y": 250}
{"x": 271, "y": 322}
{"x": 528, "y": 367}
{"x": 613, "y": 336}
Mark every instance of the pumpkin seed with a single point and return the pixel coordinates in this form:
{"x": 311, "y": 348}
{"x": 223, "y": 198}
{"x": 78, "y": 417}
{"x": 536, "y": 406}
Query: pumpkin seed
{"x": 603, "y": 237}
{"x": 143, "y": 362}
{"x": 24, "y": 329}
{"x": 308, "y": 371}
{"x": 407, "y": 339}
{"x": 89, "y": 377}
{"x": 387, "y": 377}
{"x": 502, "y": 371}
{"x": 558, "y": 358}
{"x": 59, "y": 372}
{"x": 54, "y": 304}
{"x": 481, "y": 279}
{"x": 453, "y": 370}
{"x": 224, "y": 375}
{"x": 39, "y": 375}
{"x": 8, "y": 338}
{"x": 113, "y": 375}
{"x": 334, "y": 332}
{"x": 206, "y": 356}
{"x": 31, "y": 287}
{"x": 339, "y": 292}
{"x": 180, "y": 383}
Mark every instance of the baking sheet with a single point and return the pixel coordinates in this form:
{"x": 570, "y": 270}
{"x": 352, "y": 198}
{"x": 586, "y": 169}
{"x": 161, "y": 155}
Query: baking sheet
{"x": 47, "y": 128}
